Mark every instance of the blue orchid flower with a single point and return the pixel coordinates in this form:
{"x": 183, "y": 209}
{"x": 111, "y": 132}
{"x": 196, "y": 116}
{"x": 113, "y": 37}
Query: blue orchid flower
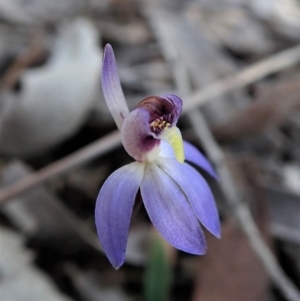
{"x": 174, "y": 194}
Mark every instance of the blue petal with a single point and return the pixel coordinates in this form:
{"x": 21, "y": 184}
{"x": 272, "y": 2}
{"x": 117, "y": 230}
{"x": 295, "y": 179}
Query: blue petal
{"x": 193, "y": 155}
{"x": 170, "y": 211}
{"x": 114, "y": 208}
{"x": 111, "y": 87}
{"x": 197, "y": 192}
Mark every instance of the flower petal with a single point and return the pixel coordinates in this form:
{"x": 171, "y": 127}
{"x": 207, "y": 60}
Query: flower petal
{"x": 193, "y": 155}
{"x": 197, "y": 192}
{"x": 170, "y": 211}
{"x": 111, "y": 87}
{"x": 168, "y": 106}
{"x": 114, "y": 208}
{"x": 177, "y": 103}
{"x": 137, "y": 137}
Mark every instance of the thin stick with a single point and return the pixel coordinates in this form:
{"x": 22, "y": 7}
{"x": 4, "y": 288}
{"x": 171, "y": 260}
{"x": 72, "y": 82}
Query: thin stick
{"x": 249, "y": 75}
{"x": 232, "y": 194}
{"x": 241, "y": 210}
{"x": 272, "y": 64}
{"x": 28, "y": 56}
{"x": 97, "y": 148}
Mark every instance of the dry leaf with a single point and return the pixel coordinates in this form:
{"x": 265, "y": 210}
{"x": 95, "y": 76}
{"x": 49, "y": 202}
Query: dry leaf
{"x": 271, "y": 109}
{"x": 55, "y": 99}
{"x": 231, "y": 271}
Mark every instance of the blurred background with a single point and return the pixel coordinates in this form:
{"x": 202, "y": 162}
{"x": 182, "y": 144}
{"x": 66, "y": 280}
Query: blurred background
{"x": 235, "y": 64}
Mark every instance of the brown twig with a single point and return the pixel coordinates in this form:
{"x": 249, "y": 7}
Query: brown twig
{"x": 249, "y": 75}
{"x": 232, "y": 194}
{"x": 97, "y": 148}
{"x": 267, "y": 112}
{"x": 257, "y": 71}
{"x": 27, "y": 57}
{"x": 241, "y": 210}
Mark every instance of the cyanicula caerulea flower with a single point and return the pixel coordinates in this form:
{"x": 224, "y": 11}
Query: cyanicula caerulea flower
{"x": 175, "y": 195}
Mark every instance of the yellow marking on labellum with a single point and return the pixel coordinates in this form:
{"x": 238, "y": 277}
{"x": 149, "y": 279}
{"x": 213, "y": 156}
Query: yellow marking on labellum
{"x": 174, "y": 138}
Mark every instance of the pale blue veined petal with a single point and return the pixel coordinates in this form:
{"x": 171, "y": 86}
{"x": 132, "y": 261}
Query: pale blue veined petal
{"x": 114, "y": 209}
{"x": 170, "y": 211}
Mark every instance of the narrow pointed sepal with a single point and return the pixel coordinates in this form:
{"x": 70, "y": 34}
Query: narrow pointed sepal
{"x": 114, "y": 209}
{"x": 193, "y": 155}
{"x": 111, "y": 87}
